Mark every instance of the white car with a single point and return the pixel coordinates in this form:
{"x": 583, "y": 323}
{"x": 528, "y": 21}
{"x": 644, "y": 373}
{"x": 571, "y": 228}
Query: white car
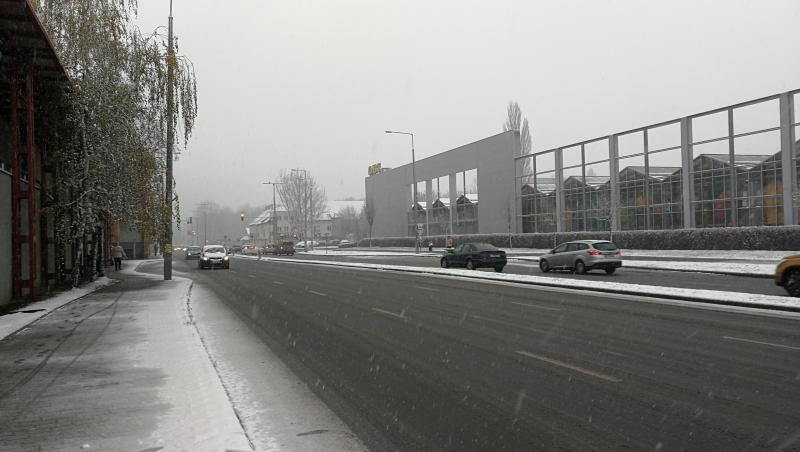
{"x": 214, "y": 256}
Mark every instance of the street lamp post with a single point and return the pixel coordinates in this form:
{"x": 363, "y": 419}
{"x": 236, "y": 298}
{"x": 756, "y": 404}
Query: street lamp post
{"x": 414, "y": 177}
{"x": 170, "y": 138}
{"x": 274, "y": 210}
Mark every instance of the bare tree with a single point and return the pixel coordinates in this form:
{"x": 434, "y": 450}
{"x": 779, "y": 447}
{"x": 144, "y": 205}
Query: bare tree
{"x": 515, "y": 121}
{"x": 605, "y": 211}
{"x": 304, "y": 199}
{"x": 369, "y": 214}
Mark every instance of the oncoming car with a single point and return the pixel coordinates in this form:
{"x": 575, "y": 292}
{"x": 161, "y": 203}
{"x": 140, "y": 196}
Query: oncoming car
{"x": 475, "y": 255}
{"x": 581, "y": 256}
{"x": 193, "y": 252}
{"x": 214, "y": 256}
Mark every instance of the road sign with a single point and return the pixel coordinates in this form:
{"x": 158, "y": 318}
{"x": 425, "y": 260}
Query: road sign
{"x": 419, "y": 227}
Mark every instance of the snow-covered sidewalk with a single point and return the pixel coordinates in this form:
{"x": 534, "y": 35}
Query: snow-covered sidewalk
{"x": 120, "y": 369}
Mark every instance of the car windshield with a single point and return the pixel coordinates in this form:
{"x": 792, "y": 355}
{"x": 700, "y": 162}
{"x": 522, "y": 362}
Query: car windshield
{"x": 605, "y": 246}
{"x": 194, "y": 249}
{"x": 215, "y": 249}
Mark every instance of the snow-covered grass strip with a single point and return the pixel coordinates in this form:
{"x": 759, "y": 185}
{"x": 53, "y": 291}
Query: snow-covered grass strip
{"x": 676, "y": 293}
{"x": 724, "y": 268}
{"x": 750, "y": 255}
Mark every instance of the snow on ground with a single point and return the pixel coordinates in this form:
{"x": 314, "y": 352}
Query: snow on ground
{"x": 16, "y": 320}
{"x": 752, "y": 255}
{"x": 721, "y": 267}
{"x": 715, "y": 296}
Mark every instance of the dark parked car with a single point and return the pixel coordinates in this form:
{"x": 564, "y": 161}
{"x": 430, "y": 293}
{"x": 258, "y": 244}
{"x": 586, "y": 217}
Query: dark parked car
{"x": 285, "y": 248}
{"x": 475, "y": 255}
{"x": 193, "y": 252}
{"x": 581, "y": 256}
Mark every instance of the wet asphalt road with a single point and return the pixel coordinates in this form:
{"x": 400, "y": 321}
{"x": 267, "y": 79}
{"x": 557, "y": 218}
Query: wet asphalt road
{"x": 416, "y": 362}
{"x": 692, "y": 280}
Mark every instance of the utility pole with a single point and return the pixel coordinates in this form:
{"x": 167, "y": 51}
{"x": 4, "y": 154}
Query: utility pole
{"x": 305, "y": 211}
{"x": 274, "y": 217}
{"x": 170, "y": 140}
{"x": 205, "y": 205}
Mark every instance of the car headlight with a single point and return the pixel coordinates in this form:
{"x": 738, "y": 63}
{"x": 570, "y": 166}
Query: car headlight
{"x": 225, "y": 258}
{"x": 205, "y": 258}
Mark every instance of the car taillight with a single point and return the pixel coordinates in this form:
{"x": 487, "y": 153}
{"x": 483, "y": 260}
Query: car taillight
{"x": 594, "y": 253}
{"x": 618, "y": 253}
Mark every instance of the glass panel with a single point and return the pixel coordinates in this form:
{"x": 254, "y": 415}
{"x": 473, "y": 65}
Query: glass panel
{"x": 545, "y": 162}
{"x": 632, "y": 193}
{"x": 571, "y": 157}
{"x": 710, "y": 126}
{"x": 664, "y": 137}
{"x": 596, "y": 151}
{"x": 630, "y": 144}
{"x": 763, "y": 115}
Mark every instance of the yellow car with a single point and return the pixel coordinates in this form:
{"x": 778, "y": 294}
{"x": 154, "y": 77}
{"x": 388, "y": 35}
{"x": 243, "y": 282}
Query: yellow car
{"x": 787, "y": 274}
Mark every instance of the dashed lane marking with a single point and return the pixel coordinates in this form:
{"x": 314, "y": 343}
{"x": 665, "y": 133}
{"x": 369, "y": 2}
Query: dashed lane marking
{"x": 569, "y": 366}
{"x": 426, "y": 288}
{"x": 731, "y": 338}
{"x": 528, "y": 305}
{"x": 277, "y": 283}
{"x": 400, "y": 316}
{"x": 318, "y": 293}
{"x": 515, "y": 325}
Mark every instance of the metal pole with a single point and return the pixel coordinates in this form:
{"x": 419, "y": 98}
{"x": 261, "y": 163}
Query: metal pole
{"x": 170, "y": 139}
{"x": 414, "y": 178}
{"x": 416, "y": 197}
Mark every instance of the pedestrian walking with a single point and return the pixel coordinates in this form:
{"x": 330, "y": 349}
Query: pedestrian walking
{"x": 117, "y": 252}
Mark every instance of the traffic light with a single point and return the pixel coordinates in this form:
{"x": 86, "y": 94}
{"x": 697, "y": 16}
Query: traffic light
{"x": 241, "y": 216}
{"x": 190, "y": 221}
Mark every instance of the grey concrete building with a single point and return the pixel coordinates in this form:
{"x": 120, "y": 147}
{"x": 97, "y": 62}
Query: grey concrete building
{"x": 448, "y": 202}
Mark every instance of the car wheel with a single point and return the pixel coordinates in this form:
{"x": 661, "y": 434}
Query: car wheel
{"x": 544, "y": 266}
{"x": 499, "y": 269}
{"x": 610, "y": 270}
{"x": 444, "y": 263}
{"x": 470, "y": 265}
{"x": 792, "y": 282}
{"x": 580, "y": 267}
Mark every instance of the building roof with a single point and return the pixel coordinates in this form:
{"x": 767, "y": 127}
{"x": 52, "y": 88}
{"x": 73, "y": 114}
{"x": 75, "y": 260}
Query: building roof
{"x": 740, "y": 161}
{"x": 22, "y": 35}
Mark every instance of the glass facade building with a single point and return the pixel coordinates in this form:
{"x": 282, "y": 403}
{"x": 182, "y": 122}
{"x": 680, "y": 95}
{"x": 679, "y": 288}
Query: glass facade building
{"x": 733, "y": 166}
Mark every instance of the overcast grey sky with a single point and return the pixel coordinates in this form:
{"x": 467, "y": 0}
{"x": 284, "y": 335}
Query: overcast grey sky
{"x": 313, "y": 84}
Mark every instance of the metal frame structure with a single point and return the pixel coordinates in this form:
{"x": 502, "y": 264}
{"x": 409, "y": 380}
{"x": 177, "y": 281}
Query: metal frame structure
{"x": 537, "y": 169}
{"x": 24, "y": 215}
{"x": 31, "y": 68}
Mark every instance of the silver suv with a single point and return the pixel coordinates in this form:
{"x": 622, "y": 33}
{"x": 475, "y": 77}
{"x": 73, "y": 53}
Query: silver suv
{"x": 582, "y": 256}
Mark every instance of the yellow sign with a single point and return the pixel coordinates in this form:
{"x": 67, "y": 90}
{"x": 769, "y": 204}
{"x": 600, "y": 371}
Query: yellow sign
{"x": 374, "y": 169}
{"x": 167, "y": 248}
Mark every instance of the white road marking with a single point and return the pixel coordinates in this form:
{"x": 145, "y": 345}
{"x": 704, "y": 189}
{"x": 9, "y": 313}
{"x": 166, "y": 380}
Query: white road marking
{"x": 278, "y": 283}
{"x": 535, "y": 306}
{"x": 569, "y": 366}
{"x": 318, "y": 293}
{"x": 251, "y": 276}
{"x": 535, "y": 330}
{"x": 426, "y": 288}
{"x": 621, "y": 355}
{"x": 731, "y": 338}
{"x": 390, "y": 313}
